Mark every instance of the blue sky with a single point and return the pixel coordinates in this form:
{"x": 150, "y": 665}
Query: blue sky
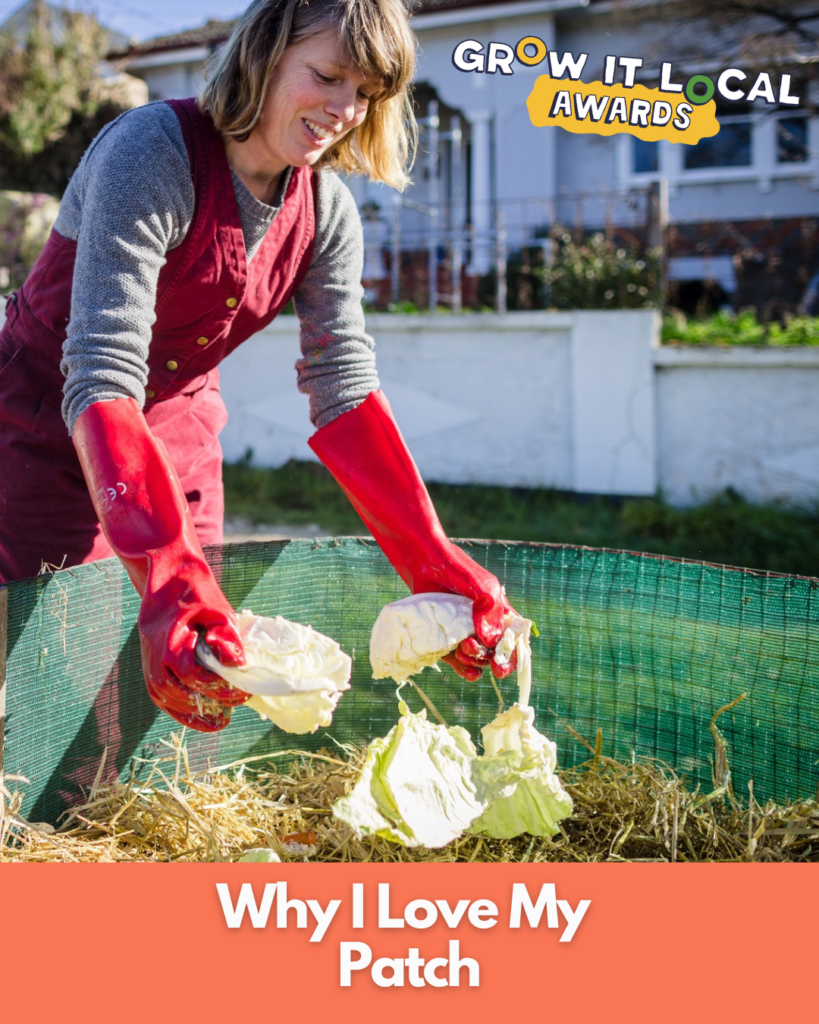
{"x": 145, "y": 18}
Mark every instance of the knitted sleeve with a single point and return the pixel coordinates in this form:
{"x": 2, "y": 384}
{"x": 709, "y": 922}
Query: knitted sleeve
{"x": 129, "y": 202}
{"x": 337, "y": 365}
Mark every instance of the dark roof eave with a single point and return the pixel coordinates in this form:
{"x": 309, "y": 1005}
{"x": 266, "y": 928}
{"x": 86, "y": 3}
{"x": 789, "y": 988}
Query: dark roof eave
{"x": 206, "y": 35}
{"x": 214, "y": 36}
{"x": 144, "y": 50}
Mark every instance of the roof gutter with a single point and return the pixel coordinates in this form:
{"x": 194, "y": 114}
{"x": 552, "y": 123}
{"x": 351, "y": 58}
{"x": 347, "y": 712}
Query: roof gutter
{"x": 443, "y": 19}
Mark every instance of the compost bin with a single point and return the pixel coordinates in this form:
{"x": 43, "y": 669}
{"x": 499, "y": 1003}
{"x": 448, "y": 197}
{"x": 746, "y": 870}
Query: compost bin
{"x": 644, "y": 648}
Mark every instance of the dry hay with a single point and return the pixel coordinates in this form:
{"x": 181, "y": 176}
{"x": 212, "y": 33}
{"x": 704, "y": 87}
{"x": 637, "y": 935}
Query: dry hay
{"x": 639, "y": 811}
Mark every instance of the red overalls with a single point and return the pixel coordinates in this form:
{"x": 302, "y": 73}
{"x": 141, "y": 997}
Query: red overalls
{"x": 209, "y": 300}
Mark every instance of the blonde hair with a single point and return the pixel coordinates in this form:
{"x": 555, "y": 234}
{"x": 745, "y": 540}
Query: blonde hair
{"x": 381, "y": 45}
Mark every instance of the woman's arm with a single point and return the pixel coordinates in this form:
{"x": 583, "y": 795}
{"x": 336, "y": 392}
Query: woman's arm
{"x": 337, "y": 367}
{"x": 360, "y": 443}
{"x": 129, "y": 202}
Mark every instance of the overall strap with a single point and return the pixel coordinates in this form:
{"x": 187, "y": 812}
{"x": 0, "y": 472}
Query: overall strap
{"x": 191, "y": 121}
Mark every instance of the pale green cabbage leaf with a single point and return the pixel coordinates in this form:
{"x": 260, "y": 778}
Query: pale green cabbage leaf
{"x": 416, "y": 785}
{"x": 416, "y": 632}
{"x": 517, "y": 780}
{"x": 295, "y": 674}
{"x": 260, "y": 855}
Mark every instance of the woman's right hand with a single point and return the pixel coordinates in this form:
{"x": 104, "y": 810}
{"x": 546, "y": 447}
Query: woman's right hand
{"x": 189, "y": 606}
{"x": 145, "y": 517}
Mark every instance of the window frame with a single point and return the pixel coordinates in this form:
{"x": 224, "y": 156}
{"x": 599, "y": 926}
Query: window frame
{"x": 764, "y": 168}
{"x": 747, "y": 118}
{"x": 797, "y": 114}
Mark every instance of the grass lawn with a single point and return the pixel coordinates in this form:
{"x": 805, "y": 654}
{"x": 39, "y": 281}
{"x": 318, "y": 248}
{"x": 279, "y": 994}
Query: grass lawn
{"x": 726, "y": 530}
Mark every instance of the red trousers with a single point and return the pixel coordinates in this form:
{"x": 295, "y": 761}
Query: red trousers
{"x": 46, "y": 514}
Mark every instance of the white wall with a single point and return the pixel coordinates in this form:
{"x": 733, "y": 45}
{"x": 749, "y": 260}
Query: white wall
{"x": 171, "y": 79}
{"x": 581, "y": 401}
{"x": 478, "y": 398}
{"x": 747, "y": 419}
{"x": 524, "y": 155}
{"x": 511, "y": 160}
{"x": 529, "y": 399}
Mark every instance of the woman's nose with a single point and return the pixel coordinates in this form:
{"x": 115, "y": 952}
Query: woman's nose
{"x": 341, "y": 106}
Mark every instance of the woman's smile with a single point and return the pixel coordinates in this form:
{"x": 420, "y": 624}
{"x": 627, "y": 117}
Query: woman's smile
{"x": 321, "y": 134}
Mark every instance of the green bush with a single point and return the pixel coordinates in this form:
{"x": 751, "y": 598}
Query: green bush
{"x": 47, "y": 76}
{"x": 596, "y": 273}
{"x": 799, "y": 330}
{"x": 743, "y": 328}
{"x": 53, "y": 101}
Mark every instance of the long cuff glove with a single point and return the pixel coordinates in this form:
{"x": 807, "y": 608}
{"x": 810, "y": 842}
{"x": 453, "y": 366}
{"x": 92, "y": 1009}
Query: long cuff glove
{"x": 368, "y": 457}
{"x": 143, "y": 512}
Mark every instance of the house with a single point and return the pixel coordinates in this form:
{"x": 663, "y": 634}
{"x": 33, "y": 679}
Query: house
{"x": 742, "y": 208}
{"x": 115, "y": 86}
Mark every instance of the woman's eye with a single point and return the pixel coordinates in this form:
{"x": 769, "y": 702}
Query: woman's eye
{"x": 324, "y": 79}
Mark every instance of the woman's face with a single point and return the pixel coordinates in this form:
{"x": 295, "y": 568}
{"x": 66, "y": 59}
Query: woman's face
{"x": 314, "y": 98}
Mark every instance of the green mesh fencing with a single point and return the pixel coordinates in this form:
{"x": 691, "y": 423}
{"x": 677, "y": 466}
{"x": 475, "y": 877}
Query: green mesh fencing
{"x": 645, "y": 648}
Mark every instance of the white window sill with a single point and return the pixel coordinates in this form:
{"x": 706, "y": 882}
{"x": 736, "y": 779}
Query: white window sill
{"x": 729, "y": 175}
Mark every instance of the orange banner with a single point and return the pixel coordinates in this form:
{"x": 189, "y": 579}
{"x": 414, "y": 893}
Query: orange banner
{"x": 144, "y": 942}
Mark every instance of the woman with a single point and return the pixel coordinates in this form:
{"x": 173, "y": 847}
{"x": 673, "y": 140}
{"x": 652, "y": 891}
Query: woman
{"x": 186, "y": 228}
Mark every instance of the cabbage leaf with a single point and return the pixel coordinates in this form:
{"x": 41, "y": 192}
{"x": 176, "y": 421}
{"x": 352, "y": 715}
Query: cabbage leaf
{"x": 414, "y": 633}
{"x": 295, "y": 674}
{"x": 517, "y": 780}
{"x": 416, "y": 785}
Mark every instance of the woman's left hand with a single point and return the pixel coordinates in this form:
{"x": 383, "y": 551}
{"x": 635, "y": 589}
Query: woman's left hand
{"x": 364, "y": 450}
{"x": 457, "y": 573}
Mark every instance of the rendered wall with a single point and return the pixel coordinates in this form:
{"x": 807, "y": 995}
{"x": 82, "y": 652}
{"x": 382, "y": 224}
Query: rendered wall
{"x": 526, "y": 399}
{"x": 582, "y": 401}
{"x": 747, "y": 419}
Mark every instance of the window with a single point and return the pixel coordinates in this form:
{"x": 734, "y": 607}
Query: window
{"x": 730, "y": 147}
{"x": 645, "y": 156}
{"x": 792, "y": 140}
{"x": 756, "y": 142}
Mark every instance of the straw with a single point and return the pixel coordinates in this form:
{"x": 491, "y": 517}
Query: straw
{"x": 637, "y": 811}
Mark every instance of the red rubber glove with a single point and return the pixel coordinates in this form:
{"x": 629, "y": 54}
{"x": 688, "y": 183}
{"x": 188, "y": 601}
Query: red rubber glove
{"x": 146, "y": 520}
{"x": 367, "y": 455}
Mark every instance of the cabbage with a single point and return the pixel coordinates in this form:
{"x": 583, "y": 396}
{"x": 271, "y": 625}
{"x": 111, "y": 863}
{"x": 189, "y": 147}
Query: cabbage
{"x": 516, "y": 778}
{"x": 516, "y": 774}
{"x": 412, "y": 634}
{"x": 296, "y": 675}
{"x": 516, "y": 638}
{"x": 423, "y": 784}
{"x": 416, "y": 785}
{"x": 259, "y": 855}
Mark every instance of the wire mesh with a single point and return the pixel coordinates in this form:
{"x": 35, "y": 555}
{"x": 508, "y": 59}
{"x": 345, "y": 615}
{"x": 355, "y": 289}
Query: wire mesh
{"x": 644, "y": 647}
